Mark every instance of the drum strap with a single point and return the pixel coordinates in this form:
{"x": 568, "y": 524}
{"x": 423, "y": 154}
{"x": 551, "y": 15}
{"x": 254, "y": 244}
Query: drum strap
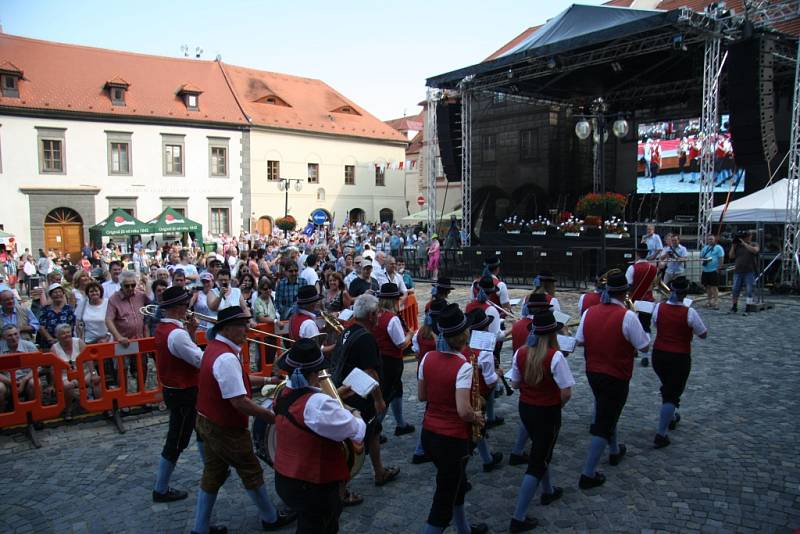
{"x": 284, "y": 402}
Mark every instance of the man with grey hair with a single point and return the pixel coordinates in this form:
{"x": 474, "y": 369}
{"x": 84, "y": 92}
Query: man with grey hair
{"x": 123, "y": 319}
{"x": 379, "y": 268}
{"x": 357, "y": 348}
{"x": 15, "y": 314}
{"x": 11, "y": 343}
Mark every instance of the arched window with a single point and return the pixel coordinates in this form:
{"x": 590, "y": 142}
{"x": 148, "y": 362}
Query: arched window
{"x": 321, "y": 194}
{"x": 386, "y": 216}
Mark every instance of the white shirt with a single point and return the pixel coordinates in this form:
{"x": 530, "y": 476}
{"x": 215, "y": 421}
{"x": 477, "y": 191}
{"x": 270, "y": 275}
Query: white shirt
{"x": 94, "y": 320}
{"x": 464, "y": 376}
{"x": 323, "y": 416}
{"x": 227, "y": 371}
{"x": 231, "y": 300}
{"x": 379, "y": 274}
{"x": 180, "y": 344}
{"x": 486, "y": 363}
{"x": 190, "y": 271}
{"x": 109, "y": 288}
{"x": 397, "y": 278}
{"x": 692, "y": 318}
{"x": 555, "y": 304}
{"x": 395, "y": 330}
{"x": 502, "y": 293}
{"x": 350, "y": 277}
{"x": 631, "y": 329}
{"x": 562, "y": 375}
{"x": 310, "y": 275}
{"x": 494, "y": 326}
{"x": 415, "y": 342}
{"x": 308, "y": 328}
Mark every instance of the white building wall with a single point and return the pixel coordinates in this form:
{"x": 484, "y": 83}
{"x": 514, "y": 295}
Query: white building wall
{"x": 86, "y": 163}
{"x": 296, "y": 150}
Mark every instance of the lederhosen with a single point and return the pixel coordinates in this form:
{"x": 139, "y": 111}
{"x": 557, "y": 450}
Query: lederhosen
{"x": 179, "y": 386}
{"x": 310, "y": 470}
{"x": 672, "y": 360}
{"x": 540, "y": 412}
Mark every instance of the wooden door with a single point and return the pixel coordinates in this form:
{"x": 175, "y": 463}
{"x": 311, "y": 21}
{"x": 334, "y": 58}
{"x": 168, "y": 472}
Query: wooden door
{"x": 63, "y": 231}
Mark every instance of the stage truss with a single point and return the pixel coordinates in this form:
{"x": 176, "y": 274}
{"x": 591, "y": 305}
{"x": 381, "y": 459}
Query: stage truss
{"x": 709, "y": 127}
{"x": 431, "y": 143}
{"x": 466, "y": 168}
{"x": 789, "y": 264}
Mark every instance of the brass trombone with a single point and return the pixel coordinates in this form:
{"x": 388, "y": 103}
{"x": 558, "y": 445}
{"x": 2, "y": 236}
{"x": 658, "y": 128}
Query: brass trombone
{"x": 332, "y": 321}
{"x": 151, "y": 309}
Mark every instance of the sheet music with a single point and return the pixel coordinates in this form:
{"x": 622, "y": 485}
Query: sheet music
{"x": 644, "y": 306}
{"x": 514, "y": 302}
{"x": 132, "y": 348}
{"x": 480, "y": 340}
{"x": 687, "y": 302}
{"x": 360, "y": 382}
{"x": 567, "y": 343}
{"x": 560, "y": 317}
{"x": 345, "y": 314}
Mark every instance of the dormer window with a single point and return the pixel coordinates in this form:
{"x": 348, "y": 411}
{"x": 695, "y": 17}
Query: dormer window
{"x": 191, "y": 96}
{"x": 10, "y": 75}
{"x": 117, "y": 87}
{"x": 347, "y": 110}
{"x": 273, "y": 100}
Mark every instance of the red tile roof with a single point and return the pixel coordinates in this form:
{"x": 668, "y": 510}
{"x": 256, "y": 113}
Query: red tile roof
{"x": 312, "y": 105}
{"x": 72, "y": 78}
{"x": 7, "y": 66}
{"x": 413, "y": 122}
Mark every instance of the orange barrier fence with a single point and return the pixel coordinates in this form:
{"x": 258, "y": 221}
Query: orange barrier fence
{"x": 410, "y": 313}
{"x": 40, "y": 365}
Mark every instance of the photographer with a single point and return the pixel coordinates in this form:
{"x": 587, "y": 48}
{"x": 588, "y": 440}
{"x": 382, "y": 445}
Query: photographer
{"x": 744, "y": 254}
{"x": 674, "y": 255}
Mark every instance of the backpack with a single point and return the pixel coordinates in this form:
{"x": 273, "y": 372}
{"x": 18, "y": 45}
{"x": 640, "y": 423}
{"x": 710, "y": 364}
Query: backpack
{"x": 340, "y": 353}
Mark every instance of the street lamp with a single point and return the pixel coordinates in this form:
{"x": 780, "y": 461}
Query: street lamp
{"x": 583, "y": 129}
{"x": 284, "y": 184}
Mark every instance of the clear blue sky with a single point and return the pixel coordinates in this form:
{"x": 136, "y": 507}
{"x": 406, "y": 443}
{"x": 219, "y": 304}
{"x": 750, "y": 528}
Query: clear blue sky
{"x": 376, "y": 53}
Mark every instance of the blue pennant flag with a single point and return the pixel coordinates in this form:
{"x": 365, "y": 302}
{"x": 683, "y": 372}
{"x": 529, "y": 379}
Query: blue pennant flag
{"x": 309, "y": 229}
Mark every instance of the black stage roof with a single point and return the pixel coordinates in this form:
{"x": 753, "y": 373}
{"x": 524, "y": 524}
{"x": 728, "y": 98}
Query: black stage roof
{"x": 634, "y": 59}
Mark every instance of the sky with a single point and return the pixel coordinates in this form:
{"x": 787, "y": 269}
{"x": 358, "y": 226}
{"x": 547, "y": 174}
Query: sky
{"x": 377, "y": 53}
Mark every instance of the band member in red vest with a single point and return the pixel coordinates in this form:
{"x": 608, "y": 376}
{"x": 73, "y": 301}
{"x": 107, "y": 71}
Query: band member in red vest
{"x": 672, "y": 349}
{"x": 392, "y": 340}
{"x": 537, "y": 303}
{"x": 440, "y": 291}
{"x": 491, "y": 268}
{"x": 486, "y": 288}
{"x": 224, "y": 403}
{"x": 423, "y": 342}
{"x": 695, "y": 146}
{"x": 641, "y": 276}
{"x": 302, "y": 322}
{"x": 591, "y": 298}
{"x": 177, "y": 360}
{"x": 310, "y": 469}
{"x": 545, "y": 284}
{"x": 489, "y": 376}
{"x": 611, "y": 335}
{"x": 542, "y": 375}
{"x": 445, "y": 382}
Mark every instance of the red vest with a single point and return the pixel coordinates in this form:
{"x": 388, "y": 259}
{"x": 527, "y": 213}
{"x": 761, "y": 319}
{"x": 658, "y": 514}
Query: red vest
{"x": 674, "y": 333}
{"x": 494, "y": 297}
{"x": 209, "y": 398}
{"x": 519, "y": 333}
{"x": 546, "y": 392}
{"x": 473, "y": 304}
{"x": 295, "y": 321}
{"x": 173, "y": 372}
{"x": 589, "y": 300}
{"x": 425, "y": 345}
{"x": 381, "y": 333}
{"x": 644, "y": 273}
{"x": 441, "y": 415}
{"x": 302, "y": 454}
{"x": 607, "y": 350}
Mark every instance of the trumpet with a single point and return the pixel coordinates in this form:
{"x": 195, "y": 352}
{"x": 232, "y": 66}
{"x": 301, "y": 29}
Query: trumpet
{"x": 332, "y": 321}
{"x": 151, "y": 310}
{"x": 503, "y": 310}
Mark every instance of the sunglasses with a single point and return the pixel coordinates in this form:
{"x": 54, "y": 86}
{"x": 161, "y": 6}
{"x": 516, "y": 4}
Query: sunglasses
{"x": 129, "y": 285}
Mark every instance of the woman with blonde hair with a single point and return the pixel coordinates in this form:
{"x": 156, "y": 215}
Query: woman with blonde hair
{"x": 545, "y": 284}
{"x": 542, "y": 375}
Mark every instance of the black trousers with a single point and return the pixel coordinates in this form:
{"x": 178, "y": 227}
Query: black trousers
{"x": 391, "y": 378}
{"x": 644, "y": 319}
{"x": 182, "y": 415}
{"x": 610, "y": 395}
{"x": 318, "y": 506}
{"x": 450, "y": 457}
{"x": 673, "y": 370}
{"x": 542, "y": 424}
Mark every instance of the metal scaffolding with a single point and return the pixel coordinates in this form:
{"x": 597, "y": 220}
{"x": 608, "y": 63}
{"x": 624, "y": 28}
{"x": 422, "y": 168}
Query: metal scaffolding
{"x": 431, "y": 143}
{"x": 709, "y": 127}
{"x": 790, "y": 266}
{"x": 466, "y": 168}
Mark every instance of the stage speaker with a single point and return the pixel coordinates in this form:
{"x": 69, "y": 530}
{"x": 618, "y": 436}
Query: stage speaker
{"x": 751, "y": 100}
{"x": 448, "y": 129}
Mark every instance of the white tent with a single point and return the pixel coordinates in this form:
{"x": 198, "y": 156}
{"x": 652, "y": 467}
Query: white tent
{"x": 767, "y": 205}
{"x": 421, "y": 215}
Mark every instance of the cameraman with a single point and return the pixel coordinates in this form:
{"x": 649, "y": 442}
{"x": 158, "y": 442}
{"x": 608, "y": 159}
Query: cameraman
{"x": 674, "y": 255}
{"x": 744, "y": 254}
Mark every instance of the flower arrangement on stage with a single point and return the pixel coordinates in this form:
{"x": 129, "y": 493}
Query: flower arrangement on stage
{"x": 287, "y": 224}
{"x": 601, "y": 204}
{"x": 514, "y": 223}
{"x": 617, "y": 226}
{"x": 539, "y": 225}
{"x": 593, "y": 222}
{"x": 572, "y": 226}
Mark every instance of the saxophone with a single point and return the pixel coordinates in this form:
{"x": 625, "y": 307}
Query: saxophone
{"x": 475, "y": 398}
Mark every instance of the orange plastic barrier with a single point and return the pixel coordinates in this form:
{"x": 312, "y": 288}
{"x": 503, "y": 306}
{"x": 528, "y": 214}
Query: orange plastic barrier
{"x": 264, "y": 355}
{"x": 26, "y": 411}
{"x": 410, "y": 313}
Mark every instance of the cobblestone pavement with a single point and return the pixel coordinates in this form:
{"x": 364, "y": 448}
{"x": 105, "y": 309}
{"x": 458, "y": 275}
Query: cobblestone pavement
{"x": 732, "y": 466}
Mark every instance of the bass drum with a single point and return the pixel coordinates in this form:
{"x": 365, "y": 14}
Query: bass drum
{"x": 264, "y": 437}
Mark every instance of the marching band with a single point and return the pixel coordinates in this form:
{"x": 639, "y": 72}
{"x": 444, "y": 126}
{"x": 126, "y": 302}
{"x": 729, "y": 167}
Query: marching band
{"x": 315, "y": 428}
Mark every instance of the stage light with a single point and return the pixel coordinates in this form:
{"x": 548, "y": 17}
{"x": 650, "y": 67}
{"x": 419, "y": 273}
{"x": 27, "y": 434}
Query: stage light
{"x": 583, "y": 129}
{"x": 620, "y": 128}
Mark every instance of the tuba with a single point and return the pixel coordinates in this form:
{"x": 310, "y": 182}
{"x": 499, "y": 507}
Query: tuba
{"x": 354, "y": 453}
